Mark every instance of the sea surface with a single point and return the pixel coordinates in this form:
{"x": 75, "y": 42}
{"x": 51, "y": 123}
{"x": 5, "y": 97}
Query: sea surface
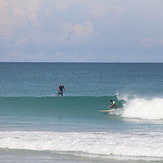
{"x": 37, "y": 126}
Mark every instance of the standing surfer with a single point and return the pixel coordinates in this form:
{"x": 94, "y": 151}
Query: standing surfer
{"x": 60, "y": 89}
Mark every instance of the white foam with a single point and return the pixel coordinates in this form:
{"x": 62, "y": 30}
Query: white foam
{"x": 147, "y": 146}
{"x": 144, "y": 108}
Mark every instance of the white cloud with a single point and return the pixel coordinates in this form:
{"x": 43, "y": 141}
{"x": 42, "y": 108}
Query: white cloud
{"x": 17, "y": 14}
{"x": 15, "y": 11}
{"x": 69, "y": 29}
{"x": 77, "y": 33}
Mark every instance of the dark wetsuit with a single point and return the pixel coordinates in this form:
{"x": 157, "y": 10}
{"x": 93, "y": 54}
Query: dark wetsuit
{"x": 113, "y": 105}
{"x": 60, "y": 92}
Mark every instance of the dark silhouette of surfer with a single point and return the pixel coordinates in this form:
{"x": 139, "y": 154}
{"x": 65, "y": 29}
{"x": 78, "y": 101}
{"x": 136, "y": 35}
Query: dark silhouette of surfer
{"x": 112, "y": 105}
{"x": 60, "y": 89}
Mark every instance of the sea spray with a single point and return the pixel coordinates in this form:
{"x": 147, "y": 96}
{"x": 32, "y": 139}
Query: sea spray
{"x": 144, "y": 108}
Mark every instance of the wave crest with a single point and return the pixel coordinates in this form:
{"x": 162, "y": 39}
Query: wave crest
{"x": 144, "y": 108}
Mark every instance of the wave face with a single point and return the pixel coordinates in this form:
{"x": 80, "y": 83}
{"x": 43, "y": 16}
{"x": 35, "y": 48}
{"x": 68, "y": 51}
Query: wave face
{"x": 84, "y": 106}
{"x": 124, "y": 146}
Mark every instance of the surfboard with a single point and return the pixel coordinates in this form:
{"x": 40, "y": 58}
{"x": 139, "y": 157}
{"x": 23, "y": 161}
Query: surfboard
{"x": 105, "y": 111}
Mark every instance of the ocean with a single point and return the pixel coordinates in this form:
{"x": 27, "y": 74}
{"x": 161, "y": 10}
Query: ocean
{"x": 37, "y": 126}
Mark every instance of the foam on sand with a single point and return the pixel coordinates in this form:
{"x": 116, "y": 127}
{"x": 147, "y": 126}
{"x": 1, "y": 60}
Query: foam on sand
{"x": 144, "y": 146}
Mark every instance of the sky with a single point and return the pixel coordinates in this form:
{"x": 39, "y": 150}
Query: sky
{"x": 81, "y": 30}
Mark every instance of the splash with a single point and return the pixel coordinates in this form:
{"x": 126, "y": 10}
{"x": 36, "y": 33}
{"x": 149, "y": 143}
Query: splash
{"x": 144, "y": 108}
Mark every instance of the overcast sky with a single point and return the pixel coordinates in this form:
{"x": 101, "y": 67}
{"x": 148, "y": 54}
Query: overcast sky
{"x": 81, "y": 30}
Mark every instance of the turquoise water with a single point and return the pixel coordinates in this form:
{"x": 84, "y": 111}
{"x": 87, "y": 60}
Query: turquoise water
{"x": 82, "y": 79}
{"x": 33, "y": 118}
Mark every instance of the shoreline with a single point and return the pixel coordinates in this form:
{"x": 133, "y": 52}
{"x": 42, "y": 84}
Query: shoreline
{"x": 28, "y": 156}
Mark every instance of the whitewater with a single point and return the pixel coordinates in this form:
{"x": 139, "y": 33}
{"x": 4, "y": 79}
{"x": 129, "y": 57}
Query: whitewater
{"x": 117, "y": 146}
{"x": 144, "y": 108}
{"x": 37, "y": 125}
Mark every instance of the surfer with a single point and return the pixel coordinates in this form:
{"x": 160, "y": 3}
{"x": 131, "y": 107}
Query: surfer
{"x": 60, "y": 89}
{"x": 112, "y": 105}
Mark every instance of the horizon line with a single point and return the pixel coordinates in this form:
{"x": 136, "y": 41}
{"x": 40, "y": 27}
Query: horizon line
{"x": 73, "y": 62}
